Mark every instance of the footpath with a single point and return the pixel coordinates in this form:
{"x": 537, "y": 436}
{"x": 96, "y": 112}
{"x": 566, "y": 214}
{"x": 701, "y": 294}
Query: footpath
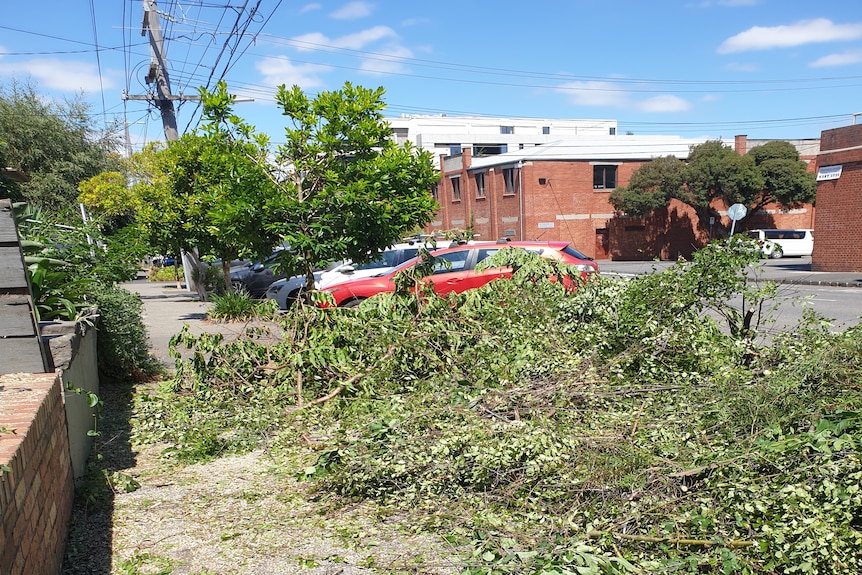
{"x": 167, "y": 307}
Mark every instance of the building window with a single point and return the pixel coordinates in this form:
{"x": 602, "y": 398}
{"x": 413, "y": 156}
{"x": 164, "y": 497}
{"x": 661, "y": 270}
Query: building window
{"x": 507, "y": 129}
{"x": 489, "y": 149}
{"x": 604, "y": 177}
{"x": 454, "y": 149}
{"x": 613, "y": 132}
{"x": 435, "y": 192}
{"x": 456, "y": 188}
{"x": 510, "y": 179}
{"x": 480, "y": 185}
{"x": 546, "y": 130}
{"x": 400, "y": 135}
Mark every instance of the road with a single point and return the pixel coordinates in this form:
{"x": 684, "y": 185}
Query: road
{"x": 842, "y": 305}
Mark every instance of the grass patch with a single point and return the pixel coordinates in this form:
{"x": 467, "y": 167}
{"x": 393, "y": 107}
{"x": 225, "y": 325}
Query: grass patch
{"x": 239, "y": 306}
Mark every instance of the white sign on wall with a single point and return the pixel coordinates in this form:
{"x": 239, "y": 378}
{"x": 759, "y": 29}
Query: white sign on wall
{"x": 828, "y": 173}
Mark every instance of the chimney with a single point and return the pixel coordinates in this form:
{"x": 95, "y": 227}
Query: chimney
{"x": 740, "y": 144}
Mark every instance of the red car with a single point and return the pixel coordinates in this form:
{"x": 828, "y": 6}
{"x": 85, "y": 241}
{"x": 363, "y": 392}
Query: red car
{"x": 459, "y": 274}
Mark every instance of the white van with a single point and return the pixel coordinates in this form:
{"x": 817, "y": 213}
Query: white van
{"x": 779, "y": 243}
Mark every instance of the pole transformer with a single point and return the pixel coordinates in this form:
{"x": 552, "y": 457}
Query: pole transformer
{"x": 158, "y": 73}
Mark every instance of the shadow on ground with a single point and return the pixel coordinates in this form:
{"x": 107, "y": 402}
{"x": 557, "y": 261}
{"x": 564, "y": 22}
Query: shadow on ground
{"x": 89, "y": 546}
{"x": 793, "y": 266}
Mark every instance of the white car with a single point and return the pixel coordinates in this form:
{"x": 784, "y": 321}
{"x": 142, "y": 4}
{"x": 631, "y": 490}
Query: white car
{"x": 779, "y": 243}
{"x": 286, "y": 291}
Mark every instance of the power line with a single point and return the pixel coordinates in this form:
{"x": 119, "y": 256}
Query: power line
{"x": 98, "y": 60}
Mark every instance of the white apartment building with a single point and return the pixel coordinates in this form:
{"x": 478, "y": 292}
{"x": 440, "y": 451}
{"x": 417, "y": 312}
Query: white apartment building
{"x": 486, "y": 136}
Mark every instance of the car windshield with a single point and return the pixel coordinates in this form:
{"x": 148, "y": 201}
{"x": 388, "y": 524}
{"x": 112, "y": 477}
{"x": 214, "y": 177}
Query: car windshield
{"x": 570, "y": 251}
{"x": 412, "y": 261}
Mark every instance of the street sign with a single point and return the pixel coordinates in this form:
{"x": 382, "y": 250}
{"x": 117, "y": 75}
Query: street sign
{"x": 736, "y": 212}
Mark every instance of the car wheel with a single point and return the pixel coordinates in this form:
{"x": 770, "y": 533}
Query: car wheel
{"x": 353, "y": 303}
{"x": 238, "y": 287}
{"x": 776, "y": 254}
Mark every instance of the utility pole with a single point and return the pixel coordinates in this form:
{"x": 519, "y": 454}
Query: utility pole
{"x": 158, "y": 73}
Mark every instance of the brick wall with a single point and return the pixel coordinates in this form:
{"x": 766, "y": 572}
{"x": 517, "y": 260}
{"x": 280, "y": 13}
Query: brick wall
{"x": 557, "y": 201}
{"x": 36, "y": 496}
{"x": 839, "y": 139}
{"x": 837, "y": 233}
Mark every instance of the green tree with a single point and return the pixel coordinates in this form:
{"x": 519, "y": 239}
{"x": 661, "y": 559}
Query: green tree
{"x": 207, "y": 194}
{"x": 57, "y": 145}
{"x": 769, "y": 173}
{"x": 107, "y": 194}
{"x": 339, "y": 188}
{"x": 345, "y": 189}
{"x": 716, "y": 172}
{"x": 651, "y": 186}
{"x": 350, "y": 189}
{"x": 787, "y": 180}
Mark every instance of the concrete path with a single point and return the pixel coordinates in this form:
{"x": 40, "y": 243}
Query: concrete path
{"x": 168, "y": 308}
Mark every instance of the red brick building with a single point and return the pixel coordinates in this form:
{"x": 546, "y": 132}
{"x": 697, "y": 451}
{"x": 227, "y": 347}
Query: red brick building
{"x": 559, "y": 191}
{"x": 837, "y": 233}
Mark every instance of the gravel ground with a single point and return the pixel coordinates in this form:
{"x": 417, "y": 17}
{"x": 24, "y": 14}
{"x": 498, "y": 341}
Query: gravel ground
{"x": 236, "y": 515}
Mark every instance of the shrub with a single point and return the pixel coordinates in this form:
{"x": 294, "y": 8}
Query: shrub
{"x": 165, "y": 274}
{"x": 122, "y": 337}
{"x": 239, "y": 306}
{"x": 615, "y": 429}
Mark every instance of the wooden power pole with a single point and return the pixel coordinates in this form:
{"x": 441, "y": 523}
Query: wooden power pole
{"x": 158, "y": 73}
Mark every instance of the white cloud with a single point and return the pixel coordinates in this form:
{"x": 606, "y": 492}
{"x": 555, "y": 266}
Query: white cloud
{"x": 803, "y": 32}
{"x": 365, "y": 37}
{"x": 611, "y": 95}
{"x": 663, "y": 104}
{"x": 280, "y": 70}
{"x": 310, "y": 7}
{"x": 357, "y": 41}
{"x": 594, "y": 94}
{"x": 390, "y": 61}
{"x": 62, "y": 75}
{"x": 845, "y": 59}
{"x": 352, "y": 11}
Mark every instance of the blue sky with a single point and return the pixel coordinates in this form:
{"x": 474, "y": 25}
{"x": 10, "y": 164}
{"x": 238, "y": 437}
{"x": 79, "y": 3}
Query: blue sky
{"x": 714, "y": 68}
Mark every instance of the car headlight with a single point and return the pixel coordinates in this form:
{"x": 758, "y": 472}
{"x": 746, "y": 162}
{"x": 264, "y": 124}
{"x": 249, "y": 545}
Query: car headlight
{"x": 585, "y": 268}
{"x": 274, "y": 288}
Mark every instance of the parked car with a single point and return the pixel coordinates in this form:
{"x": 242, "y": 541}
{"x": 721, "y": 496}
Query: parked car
{"x": 778, "y": 243}
{"x": 455, "y": 270}
{"x": 286, "y": 291}
{"x": 255, "y": 277}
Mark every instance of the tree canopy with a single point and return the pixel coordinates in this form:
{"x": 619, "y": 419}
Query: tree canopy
{"x": 769, "y": 173}
{"x": 338, "y": 188}
{"x": 351, "y": 190}
{"x": 56, "y": 144}
{"x": 207, "y": 192}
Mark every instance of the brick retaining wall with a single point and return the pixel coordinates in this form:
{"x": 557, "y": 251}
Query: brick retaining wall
{"x": 36, "y": 496}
